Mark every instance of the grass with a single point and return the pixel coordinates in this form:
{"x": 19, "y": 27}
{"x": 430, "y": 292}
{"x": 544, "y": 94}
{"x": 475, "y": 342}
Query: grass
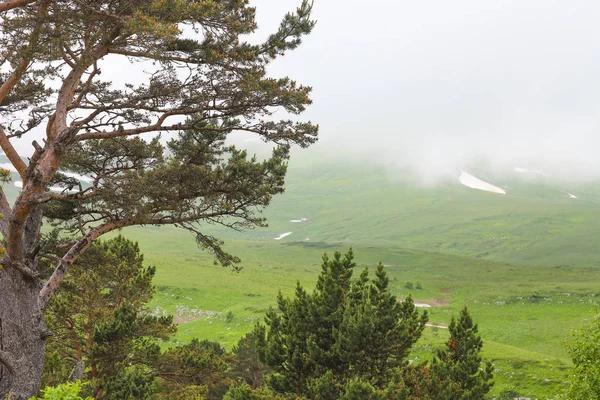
{"x": 526, "y": 264}
{"x": 524, "y": 312}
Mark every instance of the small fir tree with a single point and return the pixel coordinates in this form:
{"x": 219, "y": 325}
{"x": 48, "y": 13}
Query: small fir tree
{"x": 459, "y": 365}
{"x": 349, "y": 329}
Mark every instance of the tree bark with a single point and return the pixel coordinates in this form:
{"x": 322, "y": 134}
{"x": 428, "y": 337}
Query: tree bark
{"x": 23, "y": 336}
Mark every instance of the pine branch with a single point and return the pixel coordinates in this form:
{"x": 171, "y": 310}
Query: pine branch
{"x": 12, "y": 4}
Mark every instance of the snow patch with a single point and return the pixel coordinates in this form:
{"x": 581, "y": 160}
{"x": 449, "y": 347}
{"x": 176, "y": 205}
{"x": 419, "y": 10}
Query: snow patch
{"x": 572, "y": 196}
{"x": 59, "y": 189}
{"x": 530, "y": 171}
{"x": 283, "y": 235}
{"x": 299, "y": 220}
{"x": 56, "y": 189}
{"x": 436, "y": 326}
{"x": 82, "y": 178}
{"x": 422, "y": 305}
{"x": 475, "y": 183}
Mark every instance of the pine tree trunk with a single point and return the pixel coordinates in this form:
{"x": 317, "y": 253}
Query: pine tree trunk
{"x": 23, "y": 336}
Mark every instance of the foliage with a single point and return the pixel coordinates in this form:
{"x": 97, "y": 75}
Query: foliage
{"x": 417, "y": 382}
{"x": 190, "y": 392}
{"x": 134, "y": 383}
{"x": 64, "y": 391}
{"x": 205, "y": 81}
{"x": 359, "y": 390}
{"x": 584, "y": 348}
{"x": 378, "y": 331}
{"x": 198, "y": 363}
{"x": 100, "y": 319}
{"x": 459, "y": 365}
{"x": 245, "y": 364}
{"x": 244, "y": 392}
{"x": 324, "y": 387}
{"x": 348, "y": 329}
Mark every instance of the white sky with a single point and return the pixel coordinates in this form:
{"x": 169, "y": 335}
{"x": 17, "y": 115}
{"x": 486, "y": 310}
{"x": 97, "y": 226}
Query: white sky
{"x": 435, "y": 84}
{"x": 438, "y": 83}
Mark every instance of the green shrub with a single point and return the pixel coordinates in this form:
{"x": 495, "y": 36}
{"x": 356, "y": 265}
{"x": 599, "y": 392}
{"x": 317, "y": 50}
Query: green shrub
{"x": 66, "y": 391}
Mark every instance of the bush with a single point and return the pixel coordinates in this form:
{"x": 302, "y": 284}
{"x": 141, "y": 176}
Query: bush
{"x": 66, "y": 391}
{"x": 229, "y": 316}
{"x": 245, "y": 392}
{"x": 360, "y": 390}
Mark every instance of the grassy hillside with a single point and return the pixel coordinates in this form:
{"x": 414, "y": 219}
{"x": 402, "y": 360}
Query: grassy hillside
{"x": 525, "y": 263}
{"x": 524, "y": 312}
{"x": 350, "y": 201}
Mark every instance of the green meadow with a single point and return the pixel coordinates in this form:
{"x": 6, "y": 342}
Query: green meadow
{"x": 525, "y": 263}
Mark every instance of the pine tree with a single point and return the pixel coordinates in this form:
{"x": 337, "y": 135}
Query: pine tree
{"x": 200, "y": 364}
{"x": 327, "y": 307}
{"x": 345, "y": 330}
{"x": 100, "y": 317}
{"x": 51, "y": 58}
{"x": 246, "y": 364}
{"x": 359, "y": 390}
{"x": 378, "y": 331}
{"x": 459, "y": 365}
{"x": 287, "y": 343}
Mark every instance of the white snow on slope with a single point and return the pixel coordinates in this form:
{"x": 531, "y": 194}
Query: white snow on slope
{"x": 436, "y": 326}
{"x": 56, "y": 189}
{"x": 82, "y": 178}
{"x": 283, "y": 235}
{"x": 475, "y": 183}
{"x": 530, "y": 171}
{"x": 299, "y": 220}
{"x": 572, "y": 196}
{"x": 422, "y": 305}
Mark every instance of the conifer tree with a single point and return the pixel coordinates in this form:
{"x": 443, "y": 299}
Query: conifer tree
{"x": 246, "y": 364}
{"x": 327, "y": 307}
{"x": 206, "y": 81}
{"x": 378, "y": 331}
{"x": 287, "y": 342}
{"x": 200, "y": 364}
{"x": 100, "y": 317}
{"x": 459, "y": 365}
{"x": 359, "y": 390}
{"x": 345, "y": 330}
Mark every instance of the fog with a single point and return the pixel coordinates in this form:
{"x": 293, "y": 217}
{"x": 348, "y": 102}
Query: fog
{"x": 437, "y": 85}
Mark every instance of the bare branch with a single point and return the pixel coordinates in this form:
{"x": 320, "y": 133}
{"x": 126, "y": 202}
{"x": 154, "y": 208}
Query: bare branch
{"x": 153, "y": 56}
{"x": 12, "y": 154}
{"x": 73, "y": 254}
{"x": 11, "y": 4}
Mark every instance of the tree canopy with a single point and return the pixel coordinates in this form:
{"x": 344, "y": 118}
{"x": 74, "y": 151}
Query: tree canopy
{"x": 198, "y": 77}
{"x": 584, "y": 349}
{"x": 346, "y": 329}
